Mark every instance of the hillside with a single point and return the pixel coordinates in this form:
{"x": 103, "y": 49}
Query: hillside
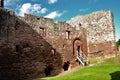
{"x": 104, "y": 69}
{"x": 101, "y": 72}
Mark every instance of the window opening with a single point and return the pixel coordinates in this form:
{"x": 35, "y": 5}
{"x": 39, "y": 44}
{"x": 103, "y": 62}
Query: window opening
{"x": 68, "y": 35}
{"x": 42, "y": 31}
{"x": 66, "y": 65}
{"x": 53, "y": 51}
{"x": 78, "y": 49}
{"x": 17, "y": 48}
{"x": 48, "y": 70}
{"x": 38, "y": 18}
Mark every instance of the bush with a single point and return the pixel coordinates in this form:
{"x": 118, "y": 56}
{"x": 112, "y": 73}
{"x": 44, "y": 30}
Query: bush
{"x": 118, "y": 43}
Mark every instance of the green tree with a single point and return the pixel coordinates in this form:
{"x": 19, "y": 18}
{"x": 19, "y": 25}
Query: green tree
{"x": 118, "y": 43}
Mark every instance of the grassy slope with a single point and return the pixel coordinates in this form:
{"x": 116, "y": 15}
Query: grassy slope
{"x": 101, "y": 72}
{"x": 107, "y": 70}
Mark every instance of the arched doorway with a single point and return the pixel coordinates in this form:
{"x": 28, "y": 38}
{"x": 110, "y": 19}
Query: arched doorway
{"x": 78, "y": 51}
{"x": 48, "y": 70}
{"x": 66, "y": 65}
{"x": 77, "y": 47}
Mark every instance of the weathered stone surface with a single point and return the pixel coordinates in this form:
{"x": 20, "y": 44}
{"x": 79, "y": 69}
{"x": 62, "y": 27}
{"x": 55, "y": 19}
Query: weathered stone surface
{"x": 33, "y": 46}
{"x": 100, "y": 31}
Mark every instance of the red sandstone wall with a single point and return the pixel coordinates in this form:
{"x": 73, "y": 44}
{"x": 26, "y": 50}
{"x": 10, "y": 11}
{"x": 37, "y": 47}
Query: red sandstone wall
{"x": 55, "y": 35}
{"x": 103, "y": 49}
{"x": 25, "y": 54}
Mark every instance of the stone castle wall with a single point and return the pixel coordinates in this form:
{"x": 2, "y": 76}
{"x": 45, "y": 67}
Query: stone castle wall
{"x": 100, "y": 32}
{"x": 33, "y": 46}
{"x": 55, "y": 33}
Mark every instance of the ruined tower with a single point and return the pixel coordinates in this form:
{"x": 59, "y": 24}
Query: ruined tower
{"x": 2, "y": 3}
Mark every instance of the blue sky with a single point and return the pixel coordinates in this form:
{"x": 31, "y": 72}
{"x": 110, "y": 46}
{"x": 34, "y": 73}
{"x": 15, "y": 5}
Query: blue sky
{"x": 62, "y": 10}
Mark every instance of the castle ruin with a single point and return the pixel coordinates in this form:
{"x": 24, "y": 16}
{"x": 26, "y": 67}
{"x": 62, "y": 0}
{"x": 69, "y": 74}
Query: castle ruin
{"x": 33, "y": 46}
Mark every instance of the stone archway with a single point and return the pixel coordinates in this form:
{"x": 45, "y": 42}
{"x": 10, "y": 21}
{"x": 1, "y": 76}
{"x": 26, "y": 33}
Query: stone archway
{"x": 77, "y": 46}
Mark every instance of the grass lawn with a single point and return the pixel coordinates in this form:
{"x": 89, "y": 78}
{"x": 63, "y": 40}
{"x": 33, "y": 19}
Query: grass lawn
{"x": 108, "y": 69}
{"x": 100, "y": 72}
{"x": 111, "y": 60}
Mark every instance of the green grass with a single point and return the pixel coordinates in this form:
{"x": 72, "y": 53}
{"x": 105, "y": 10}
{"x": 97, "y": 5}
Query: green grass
{"x": 109, "y": 61}
{"x": 107, "y": 69}
{"x": 117, "y": 59}
{"x": 93, "y": 61}
{"x": 100, "y": 72}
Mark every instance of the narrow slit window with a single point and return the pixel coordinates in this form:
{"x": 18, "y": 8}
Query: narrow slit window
{"x": 68, "y": 35}
{"x": 17, "y": 48}
{"x": 42, "y": 31}
{"x": 53, "y": 51}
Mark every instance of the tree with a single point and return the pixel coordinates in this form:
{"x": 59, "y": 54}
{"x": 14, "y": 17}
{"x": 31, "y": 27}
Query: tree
{"x": 118, "y": 43}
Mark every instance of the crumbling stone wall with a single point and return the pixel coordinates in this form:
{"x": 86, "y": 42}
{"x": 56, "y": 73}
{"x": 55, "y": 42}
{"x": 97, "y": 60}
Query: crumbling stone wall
{"x": 55, "y": 35}
{"x": 100, "y": 32}
{"x": 24, "y": 54}
{"x": 33, "y": 46}
{"x": 7, "y": 23}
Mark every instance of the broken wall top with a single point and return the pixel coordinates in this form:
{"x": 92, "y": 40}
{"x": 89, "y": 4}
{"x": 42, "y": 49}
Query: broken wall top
{"x": 37, "y": 21}
{"x": 99, "y": 26}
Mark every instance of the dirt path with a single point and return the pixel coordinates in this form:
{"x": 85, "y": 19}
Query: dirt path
{"x": 70, "y": 70}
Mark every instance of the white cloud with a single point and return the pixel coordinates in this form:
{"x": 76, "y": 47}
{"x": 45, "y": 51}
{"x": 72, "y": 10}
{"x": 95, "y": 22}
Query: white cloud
{"x": 31, "y": 9}
{"x": 83, "y": 10}
{"x": 43, "y": 10}
{"x": 52, "y": 1}
{"x": 54, "y": 15}
{"x": 36, "y": 7}
{"x": 25, "y": 9}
